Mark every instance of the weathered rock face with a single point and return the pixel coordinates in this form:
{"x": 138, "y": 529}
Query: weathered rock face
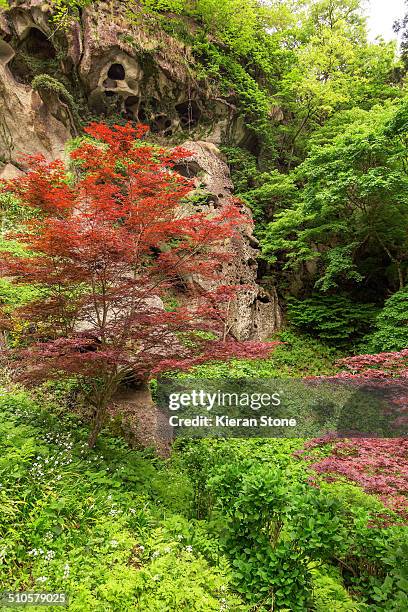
{"x": 255, "y": 312}
{"x": 27, "y": 125}
{"x": 110, "y": 64}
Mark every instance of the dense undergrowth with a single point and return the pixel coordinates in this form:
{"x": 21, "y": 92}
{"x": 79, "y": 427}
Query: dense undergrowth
{"x": 221, "y": 525}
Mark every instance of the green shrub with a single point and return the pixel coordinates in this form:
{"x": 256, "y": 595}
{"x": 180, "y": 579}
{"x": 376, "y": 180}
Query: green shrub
{"x": 391, "y": 332}
{"x": 12, "y": 296}
{"x": 274, "y": 528}
{"x": 332, "y": 318}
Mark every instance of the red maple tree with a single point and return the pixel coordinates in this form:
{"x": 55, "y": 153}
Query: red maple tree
{"x": 107, "y": 242}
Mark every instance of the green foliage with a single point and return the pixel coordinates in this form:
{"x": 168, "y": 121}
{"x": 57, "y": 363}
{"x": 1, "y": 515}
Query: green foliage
{"x": 253, "y": 101}
{"x": 201, "y": 459}
{"x": 12, "y": 213}
{"x": 275, "y": 192}
{"x": 236, "y": 23}
{"x": 351, "y": 215}
{"x": 12, "y": 296}
{"x": 330, "y": 594}
{"x": 298, "y": 355}
{"x": 265, "y": 192}
{"x": 45, "y": 85}
{"x": 278, "y": 531}
{"x": 64, "y": 11}
{"x": 273, "y": 531}
{"x": 99, "y": 525}
{"x": 331, "y": 318}
{"x": 391, "y": 332}
{"x": 243, "y": 167}
{"x": 113, "y": 527}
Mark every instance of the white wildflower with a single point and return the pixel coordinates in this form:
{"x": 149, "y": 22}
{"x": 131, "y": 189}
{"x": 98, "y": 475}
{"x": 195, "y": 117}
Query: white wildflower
{"x": 50, "y": 554}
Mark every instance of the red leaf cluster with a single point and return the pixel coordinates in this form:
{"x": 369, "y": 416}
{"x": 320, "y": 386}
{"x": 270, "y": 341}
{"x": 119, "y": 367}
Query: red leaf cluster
{"x": 379, "y": 466}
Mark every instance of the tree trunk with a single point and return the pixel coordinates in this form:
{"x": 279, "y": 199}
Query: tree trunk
{"x": 400, "y": 275}
{"x": 97, "y": 425}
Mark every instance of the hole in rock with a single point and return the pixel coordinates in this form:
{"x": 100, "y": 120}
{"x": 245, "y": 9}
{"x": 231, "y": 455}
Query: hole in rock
{"x": 35, "y": 54}
{"x": 163, "y": 122}
{"x": 212, "y": 199}
{"x": 37, "y": 44}
{"x": 250, "y": 142}
{"x": 188, "y": 169}
{"x": 189, "y": 113}
{"x": 116, "y": 72}
{"x": 110, "y": 94}
{"x": 160, "y": 123}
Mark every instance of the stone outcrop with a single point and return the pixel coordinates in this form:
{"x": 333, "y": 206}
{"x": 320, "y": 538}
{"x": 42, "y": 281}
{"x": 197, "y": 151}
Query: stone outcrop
{"x": 255, "y": 312}
{"x": 110, "y": 64}
{"x": 27, "y": 125}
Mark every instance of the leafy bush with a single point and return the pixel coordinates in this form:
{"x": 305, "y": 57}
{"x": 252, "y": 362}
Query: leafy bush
{"x": 391, "y": 332}
{"x": 332, "y": 318}
{"x": 273, "y": 530}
